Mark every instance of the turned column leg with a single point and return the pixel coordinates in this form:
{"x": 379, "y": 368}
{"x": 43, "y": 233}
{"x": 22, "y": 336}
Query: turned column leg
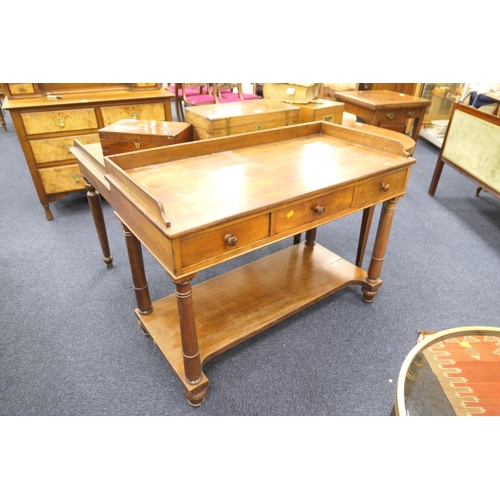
{"x": 310, "y": 237}
{"x": 370, "y": 290}
{"x": 94, "y": 199}
{"x": 140, "y": 284}
{"x": 364, "y": 232}
{"x": 189, "y": 339}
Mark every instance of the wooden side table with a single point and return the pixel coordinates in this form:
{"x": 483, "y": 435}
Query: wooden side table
{"x": 386, "y": 109}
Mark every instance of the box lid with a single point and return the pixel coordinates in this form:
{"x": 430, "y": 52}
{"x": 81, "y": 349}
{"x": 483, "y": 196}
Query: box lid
{"x": 143, "y": 130}
{"x": 253, "y": 111}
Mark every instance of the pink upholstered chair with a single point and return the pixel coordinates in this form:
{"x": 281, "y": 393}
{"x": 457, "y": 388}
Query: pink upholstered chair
{"x": 190, "y": 94}
{"x": 225, "y": 92}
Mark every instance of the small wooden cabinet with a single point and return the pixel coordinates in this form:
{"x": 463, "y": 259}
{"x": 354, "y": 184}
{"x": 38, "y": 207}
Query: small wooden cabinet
{"x": 48, "y": 117}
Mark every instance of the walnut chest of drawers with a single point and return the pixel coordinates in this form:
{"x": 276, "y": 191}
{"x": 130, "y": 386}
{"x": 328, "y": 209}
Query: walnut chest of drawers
{"x": 46, "y": 126}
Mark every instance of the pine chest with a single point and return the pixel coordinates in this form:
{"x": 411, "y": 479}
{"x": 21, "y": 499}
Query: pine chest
{"x": 128, "y": 135}
{"x": 219, "y": 120}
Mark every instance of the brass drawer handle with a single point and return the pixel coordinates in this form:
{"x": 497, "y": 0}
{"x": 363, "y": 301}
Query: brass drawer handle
{"x": 319, "y": 210}
{"x": 385, "y": 187}
{"x": 231, "y": 240}
{"x": 61, "y": 122}
{"x": 77, "y": 177}
{"x": 389, "y": 116}
{"x": 21, "y": 89}
{"x": 134, "y": 115}
{"x": 68, "y": 147}
{"x": 411, "y": 114}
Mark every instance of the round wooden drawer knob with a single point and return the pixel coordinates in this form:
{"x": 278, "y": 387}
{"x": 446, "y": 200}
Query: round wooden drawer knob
{"x": 319, "y": 210}
{"x": 231, "y": 240}
{"x": 385, "y": 187}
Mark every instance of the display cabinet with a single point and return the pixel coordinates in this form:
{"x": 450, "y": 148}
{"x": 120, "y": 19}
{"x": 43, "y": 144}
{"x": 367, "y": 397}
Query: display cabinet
{"x": 48, "y": 117}
{"x": 442, "y": 97}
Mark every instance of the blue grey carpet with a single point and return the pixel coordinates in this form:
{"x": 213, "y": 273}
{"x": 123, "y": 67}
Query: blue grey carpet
{"x": 70, "y": 344}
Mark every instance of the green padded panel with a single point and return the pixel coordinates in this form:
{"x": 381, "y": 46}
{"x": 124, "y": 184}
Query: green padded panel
{"x": 474, "y": 145}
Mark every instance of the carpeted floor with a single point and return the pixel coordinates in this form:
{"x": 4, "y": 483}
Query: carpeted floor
{"x": 70, "y": 344}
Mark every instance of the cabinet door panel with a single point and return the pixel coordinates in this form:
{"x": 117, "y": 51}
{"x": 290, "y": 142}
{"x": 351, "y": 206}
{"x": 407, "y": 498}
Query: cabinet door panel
{"x": 154, "y": 111}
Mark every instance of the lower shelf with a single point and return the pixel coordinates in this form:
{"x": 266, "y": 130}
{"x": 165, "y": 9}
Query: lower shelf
{"x": 235, "y": 306}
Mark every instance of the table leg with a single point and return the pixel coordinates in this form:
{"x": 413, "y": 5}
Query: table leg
{"x": 94, "y": 199}
{"x": 140, "y": 284}
{"x": 310, "y": 237}
{"x": 189, "y": 340}
{"x": 364, "y": 232}
{"x": 370, "y": 290}
{"x": 436, "y": 176}
{"x": 417, "y": 123}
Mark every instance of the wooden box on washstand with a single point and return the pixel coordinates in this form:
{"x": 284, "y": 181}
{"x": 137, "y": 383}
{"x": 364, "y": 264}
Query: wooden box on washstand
{"x": 127, "y": 135}
{"x": 219, "y": 120}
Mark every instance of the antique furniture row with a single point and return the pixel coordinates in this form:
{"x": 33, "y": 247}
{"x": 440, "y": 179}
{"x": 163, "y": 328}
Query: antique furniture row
{"x": 211, "y": 121}
{"x": 198, "y": 204}
{"x": 48, "y": 117}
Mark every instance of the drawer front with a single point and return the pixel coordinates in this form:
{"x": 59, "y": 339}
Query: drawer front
{"x": 62, "y": 179}
{"x": 224, "y": 239}
{"x": 21, "y": 88}
{"x": 59, "y": 121}
{"x": 48, "y": 150}
{"x": 383, "y": 187}
{"x": 397, "y": 116}
{"x": 314, "y": 209}
{"x": 153, "y": 111}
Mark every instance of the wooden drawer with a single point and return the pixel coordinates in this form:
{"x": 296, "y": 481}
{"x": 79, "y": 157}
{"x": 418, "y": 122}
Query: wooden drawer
{"x": 62, "y": 179}
{"x": 396, "y": 118}
{"x": 212, "y": 243}
{"x": 19, "y": 89}
{"x": 48, "y": 150}
{"x": 381, "y": 188}
{"x": 59, "y": 121}
{"x": 316, "y": 208}
{"x": 154, "y": 111}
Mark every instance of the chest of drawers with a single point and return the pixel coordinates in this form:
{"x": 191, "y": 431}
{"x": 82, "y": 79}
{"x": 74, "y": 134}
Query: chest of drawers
{"x": 47, "y": 126}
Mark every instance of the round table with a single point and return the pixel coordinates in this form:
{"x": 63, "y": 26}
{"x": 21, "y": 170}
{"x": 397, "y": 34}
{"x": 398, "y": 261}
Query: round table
{"x": 451, "y": 372}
